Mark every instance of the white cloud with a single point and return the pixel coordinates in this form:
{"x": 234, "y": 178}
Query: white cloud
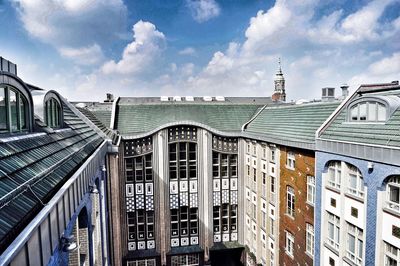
{"x": 188, "y": 51}
{"x": 362, "y": 25}
{"x": 383, "y": 70}
{"x": 88, "y": 55}
{"x": 147, "y": 44}
{"x": 266, "y": 24}
{"x": 203, "y": 10}
{"x": 73, "y": 24}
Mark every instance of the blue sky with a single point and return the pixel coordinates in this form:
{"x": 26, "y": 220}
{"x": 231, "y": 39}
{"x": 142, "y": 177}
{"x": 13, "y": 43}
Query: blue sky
{"x": 86, "y": 48}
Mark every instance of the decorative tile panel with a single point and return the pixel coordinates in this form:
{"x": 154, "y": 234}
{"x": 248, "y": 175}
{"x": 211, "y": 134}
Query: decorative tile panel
{"x": 234, "y": 197}
{"x": 234, "y": 183}
{"x": 130, "y": 204}
{"x": 225, "y": 183}
{"x": 151, "y": 244}
{"x": 216, "y": 199}
{"x": 140, "y": 202}
{"x": 184, "y": 241}
{"x": 149, "y": 188}
{"x": 194, "y": 200}
{"x": 129, "y": 190}
{"x": 183, "y": 186}
{"x": 184, "y": 201}
{"x": 173, "y": 201}
{"x": 174, "y": 242}
{"x": 141, "y": 245}
{"x": 139, "y": 188}
{"x": 193, "y": 186}
{"x": 173, "y": 187}
{"x": 225, "y": 237}
{"x": 225, "y": 196}
{"x": 194, "y": 240}
{"x": 216, "y": 185}
{"x": 131, "y": 246}
{"x": 150, "y": 203}
{"x": 217, "y": 238}
{"x": 234, "y": 237}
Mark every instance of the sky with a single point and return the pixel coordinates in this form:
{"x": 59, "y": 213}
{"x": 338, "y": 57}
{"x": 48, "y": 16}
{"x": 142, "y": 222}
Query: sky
{"x": 84, "y": 49}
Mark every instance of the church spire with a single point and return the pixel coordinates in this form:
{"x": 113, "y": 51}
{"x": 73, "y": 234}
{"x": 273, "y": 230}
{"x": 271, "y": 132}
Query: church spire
{"x": 279, "y": 92}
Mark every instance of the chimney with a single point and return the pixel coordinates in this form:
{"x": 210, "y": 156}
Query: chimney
{"x": 328, "y": 94}
{"x": 345, "y": 90}
{"x": 110, "y": 98}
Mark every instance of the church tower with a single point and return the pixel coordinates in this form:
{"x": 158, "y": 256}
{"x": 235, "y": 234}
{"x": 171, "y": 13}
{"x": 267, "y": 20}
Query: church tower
{"x": 279, "y": 92}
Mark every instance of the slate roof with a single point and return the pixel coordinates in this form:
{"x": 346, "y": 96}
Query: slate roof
{"x": 133, "y": 119}
{"x": 34, "y": 167}
{"x": 385, "y": 134}
{"x": 291, "y": 123}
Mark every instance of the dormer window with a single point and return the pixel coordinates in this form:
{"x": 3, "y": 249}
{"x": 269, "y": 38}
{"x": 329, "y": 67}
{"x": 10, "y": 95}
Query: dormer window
{"x": 53, "y": 113}
{"x": 368, "y": 111}
{"x": 13, "y": 110}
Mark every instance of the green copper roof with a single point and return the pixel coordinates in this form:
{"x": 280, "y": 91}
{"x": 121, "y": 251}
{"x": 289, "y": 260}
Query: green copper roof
{"x": 104, "y": 116}
{"x": 132, "y": 119}
{"x": 33, "y": 168}
{"x": 386, "y": 134}
{"x": 294, "y": 123}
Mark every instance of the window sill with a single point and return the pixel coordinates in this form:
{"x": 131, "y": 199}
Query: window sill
{"x": 336, "y": 252}
{"x": 354, "y": 197}
{"x": 333, "y": 189}
{"x": 311, "y": 204}
{"x": 290, "y": 168}
{"x": 350, "y": 262}
{"x": 290, "y": 255}
{"x": 391, "y": 211}
{"x": 309, "y": 254}
{"x": 290, "y": 216}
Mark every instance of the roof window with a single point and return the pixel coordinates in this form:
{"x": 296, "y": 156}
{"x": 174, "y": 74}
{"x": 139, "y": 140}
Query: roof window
{"x": 13, "y": 110}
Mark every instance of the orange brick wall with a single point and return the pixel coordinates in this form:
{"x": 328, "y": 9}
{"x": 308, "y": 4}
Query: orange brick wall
{"x": 297, "y": 178}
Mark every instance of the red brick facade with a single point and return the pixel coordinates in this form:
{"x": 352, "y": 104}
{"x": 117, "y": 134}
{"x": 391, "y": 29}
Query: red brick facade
{"x": 304, "y": 212}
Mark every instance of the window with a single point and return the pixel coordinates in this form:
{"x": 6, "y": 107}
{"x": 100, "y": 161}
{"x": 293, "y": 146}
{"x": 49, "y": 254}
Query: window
{"x": 273, "y": 153}
{"x": 311, "y": 189}
{"x": 264, "y": 152}
{"x": 355, "y": 182}
{"x": 13, "y": 110}
{"x": 335, "y": 174}
{"x": 393, "y": 193}
{"x": 53, "y": 113}
{"x": 271, "y": 226}
{"x": 290, "y": 160}
{"x": 310, "y": 239}
{"x": 392, "y": 255}
{"x": 272, "y": 188}
{"x": 254, "y": 149}
{"x": 333, "y": 230}
{"x": 369, "y": 111}
{"x": 289, "y": 244}
{"x": 354, "y": 249}
{"x": 248, "y": 147}
{"x": 290, "y": 210}
{"x": 187, "y": 260}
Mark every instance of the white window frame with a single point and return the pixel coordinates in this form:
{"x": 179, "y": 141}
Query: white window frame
{"x": 334, "y": 222}
{"x": 290, "y": 160}
{"x": 310, "y": 189}
{"x": 394, "y": 183}
{"x": 358, "y": 190}
{"x": 290, "y": 201}
{"x": 334, "y": 174}
{"x": 390, "y": 252}
{"x": 356, "y": 233}
{"x": 310, "y": 240}
{"x": 289, "y": 244}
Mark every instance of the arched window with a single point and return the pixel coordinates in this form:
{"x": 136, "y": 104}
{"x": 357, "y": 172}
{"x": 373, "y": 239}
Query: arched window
{"x": 355, "y": 182}
{"x": 393, "y": 193}
{"x": 368, "y": 111}
{"x": 53, "y": 113}
{"x": 13, "y": 110}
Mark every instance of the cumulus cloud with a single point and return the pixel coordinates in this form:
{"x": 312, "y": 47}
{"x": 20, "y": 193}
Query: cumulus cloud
{"x": 87, "y": 55}
{"x": 359, "y": 26}
{"x": 203, "y": 10}
{"x": 73, "y": 24}
{"x": 147, "y": 44}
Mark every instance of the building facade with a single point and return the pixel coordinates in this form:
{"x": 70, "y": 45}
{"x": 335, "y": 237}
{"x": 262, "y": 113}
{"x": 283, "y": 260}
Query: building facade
{"x": 357, "y": 165}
